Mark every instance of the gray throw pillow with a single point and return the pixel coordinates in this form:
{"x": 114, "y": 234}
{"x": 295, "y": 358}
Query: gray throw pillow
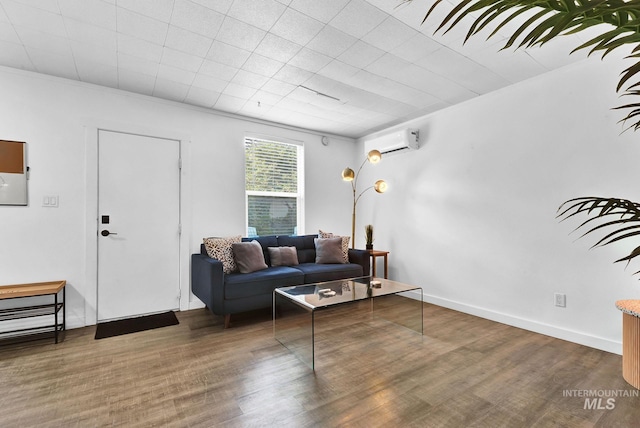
{"x": 283, "y": 256}
{"x": 329, "y": 250}
{"x": 248, "y": 256}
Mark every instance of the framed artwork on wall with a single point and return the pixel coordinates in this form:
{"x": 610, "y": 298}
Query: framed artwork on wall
{"x": 13, "y": 173}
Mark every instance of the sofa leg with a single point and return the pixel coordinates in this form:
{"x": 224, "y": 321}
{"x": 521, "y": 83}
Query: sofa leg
{"x": 227, "y": 320}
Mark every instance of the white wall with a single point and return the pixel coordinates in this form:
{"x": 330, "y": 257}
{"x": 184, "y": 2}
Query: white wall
{"x": 470, "y": 215}
{"x": 57, "y": 118}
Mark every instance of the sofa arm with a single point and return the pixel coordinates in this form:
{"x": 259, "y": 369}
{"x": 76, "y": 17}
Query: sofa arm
{"x": 207, "y": 282}
{"x": 362, "y": 258}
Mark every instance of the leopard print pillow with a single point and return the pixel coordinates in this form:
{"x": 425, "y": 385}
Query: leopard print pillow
{"x": 345, "y": 242}
{"x": 221, "y": 249}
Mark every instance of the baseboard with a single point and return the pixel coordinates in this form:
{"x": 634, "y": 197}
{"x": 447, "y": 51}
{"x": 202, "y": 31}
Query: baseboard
{"x": 526, "y": 324}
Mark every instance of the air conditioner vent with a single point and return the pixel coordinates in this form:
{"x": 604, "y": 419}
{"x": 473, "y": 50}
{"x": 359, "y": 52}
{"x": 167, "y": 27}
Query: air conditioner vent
{"x": 393, "y": 143}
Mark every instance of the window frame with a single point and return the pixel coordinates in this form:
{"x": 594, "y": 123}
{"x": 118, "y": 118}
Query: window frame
{"x": 300, "y": 195}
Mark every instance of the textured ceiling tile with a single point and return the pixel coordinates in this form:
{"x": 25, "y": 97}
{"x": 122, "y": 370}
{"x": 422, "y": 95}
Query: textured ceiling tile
{"x": 87, "y": 33}
{"x": 139, "y": 48}
{"x": 324, "y": 11}
{"x": 97, "y": 73}
{"x": 45, "y": 42}
{"x": 262, "y": 65}
{"x": 4, "y": 19}
{"x": 21, "y": 15}
{"x": 135, "y": 82}
{"x": 174, "y": 74}
{"x": 258, "y": 13}
{"x": 555, "y": 53}
{"x": 240, "y": 34}
{"x": 137, "y": 65}
{"x": 209, "y": 83}
{"x": 296, "y": 27}
{"x": 49, "y": 6}
{"x": 358, "y": 18}
{"x": 156, "y": 9}
{"x": 388, "y": 65}
{"x": 142, "y": 27}
{"x": 196, "y": 18}
{"x": 239, "y": 91}
{"x": 251, "y": 80}
{"x": 361, "y": 54}
{"x": 412, "y": 13}
{"x": 53, "y": 64}
{"x": 253, "y": 109}
{"x": 216, "y": 69}
{"x": 187, "y": 42}
{"x": 229, "y": 103}
{"x": 93, "y": 12}
{"x": 94, "y": 54}
{"x": 277, "y": 48}
{"x": 464, "y": 71}
{"x": 390, "y": 34}
{"x": 293, "y": 75}
{"x": 332, "y": 42}
{"x": 310, "y": 60}
{"x": 170, "y": 90}
{"x": 266, "y": 97}
{"x": 338, "y": 70}
{"x": 180, "y": 60}
{"x": 13, "y": 55}
{"x": 416, "y": 48}
{"x": 278, "y": 87}
{"x": 227, "y": 54}
{"x": 8, "y": 34}
{"x": 201, "y": 97}
{"x": 221, "y": 6}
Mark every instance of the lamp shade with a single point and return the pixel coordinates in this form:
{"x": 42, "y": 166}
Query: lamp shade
{"x": 380, "y": 186}
{"x": 374, "y": 156}
{"x": 348, "y": 174}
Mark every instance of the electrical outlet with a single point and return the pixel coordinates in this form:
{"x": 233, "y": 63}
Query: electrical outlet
{"x": 561, "y": 300}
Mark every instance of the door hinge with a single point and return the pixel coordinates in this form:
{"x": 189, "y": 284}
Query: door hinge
{"x": 180, "y": 229}
{"x": 179, "y": 163}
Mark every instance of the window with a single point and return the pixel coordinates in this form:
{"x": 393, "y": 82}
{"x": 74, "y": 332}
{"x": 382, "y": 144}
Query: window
{"x": 273, "y": 185}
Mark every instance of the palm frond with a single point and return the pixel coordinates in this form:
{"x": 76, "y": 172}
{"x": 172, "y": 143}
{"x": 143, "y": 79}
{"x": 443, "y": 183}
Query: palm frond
{"x": 625, "y": 223}
{"x": 620, "y": 20}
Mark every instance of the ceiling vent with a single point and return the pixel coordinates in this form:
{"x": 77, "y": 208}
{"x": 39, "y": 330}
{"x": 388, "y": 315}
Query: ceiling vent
{"x": 400, "y": 141}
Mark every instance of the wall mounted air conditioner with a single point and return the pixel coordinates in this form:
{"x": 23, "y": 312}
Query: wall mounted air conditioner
{"x": 400, "y": 141}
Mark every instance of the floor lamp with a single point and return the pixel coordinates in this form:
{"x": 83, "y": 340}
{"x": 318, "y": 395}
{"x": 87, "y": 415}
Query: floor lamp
{"x": 380, "y": 186}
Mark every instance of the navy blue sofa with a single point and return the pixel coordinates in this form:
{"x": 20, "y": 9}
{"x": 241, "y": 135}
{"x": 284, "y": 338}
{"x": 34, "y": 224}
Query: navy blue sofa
{"x": 227, "y": 294}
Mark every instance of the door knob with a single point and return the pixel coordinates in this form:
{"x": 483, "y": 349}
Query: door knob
{"x": 107, "y": 233}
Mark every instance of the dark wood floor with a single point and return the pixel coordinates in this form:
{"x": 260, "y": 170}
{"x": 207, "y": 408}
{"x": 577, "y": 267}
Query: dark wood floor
{"x": 464, "y": 372}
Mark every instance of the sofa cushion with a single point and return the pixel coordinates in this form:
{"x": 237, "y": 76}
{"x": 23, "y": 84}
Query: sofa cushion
{"x": 304, "y": 245}
{"x": 345, "y": 243}
{"x": 314, "y": 272}
{"x": 238, "y": 285}
{"x": 248, "y": 256}
{"x": 220, "y": 249}
{"x": 329, "y": 250}
{"x": 265, "y": 242}
{"x": 283, "y": 256}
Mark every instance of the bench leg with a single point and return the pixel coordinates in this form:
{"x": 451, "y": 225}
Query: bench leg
{"x": 227, "y": 320}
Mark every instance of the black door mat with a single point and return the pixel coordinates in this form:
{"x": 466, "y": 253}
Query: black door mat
{"x": 134, "y": 325}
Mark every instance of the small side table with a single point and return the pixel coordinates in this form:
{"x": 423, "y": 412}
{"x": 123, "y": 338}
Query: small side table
{"x": 377, "y": 253}
{"x": 630, "y": 341}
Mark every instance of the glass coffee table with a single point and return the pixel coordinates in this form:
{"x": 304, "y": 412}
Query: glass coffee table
{"x": 295, "y": 308}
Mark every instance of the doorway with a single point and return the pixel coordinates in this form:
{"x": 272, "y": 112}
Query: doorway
{"x": 138, "y": 225}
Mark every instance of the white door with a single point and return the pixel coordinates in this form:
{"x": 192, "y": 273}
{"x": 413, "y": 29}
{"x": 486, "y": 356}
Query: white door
{"x": 138, "y": 225}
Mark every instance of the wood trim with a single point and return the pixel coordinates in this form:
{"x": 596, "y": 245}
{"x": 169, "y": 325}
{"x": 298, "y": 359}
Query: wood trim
{"x": 31, "y": 289}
